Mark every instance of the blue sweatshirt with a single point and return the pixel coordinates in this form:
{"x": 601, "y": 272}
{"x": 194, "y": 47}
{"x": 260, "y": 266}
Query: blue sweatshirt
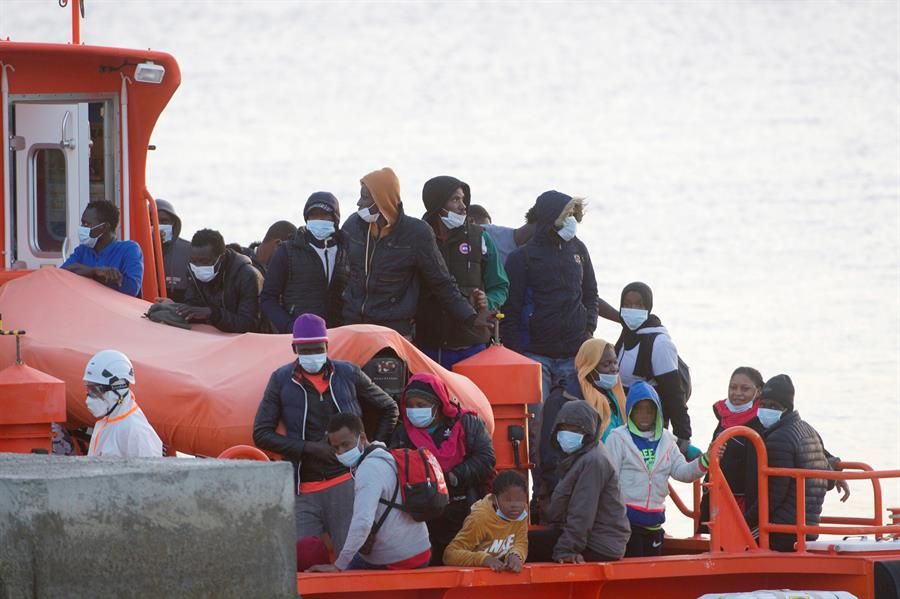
{"x": 124, "y": 256}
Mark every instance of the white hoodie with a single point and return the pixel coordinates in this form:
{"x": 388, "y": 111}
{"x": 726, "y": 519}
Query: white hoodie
{"x": 400, "y": 537}
{"x": 125, "y": 433}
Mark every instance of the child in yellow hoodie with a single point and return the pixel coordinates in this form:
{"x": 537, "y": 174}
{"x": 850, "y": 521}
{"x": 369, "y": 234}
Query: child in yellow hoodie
{"x": 495, "y": 534}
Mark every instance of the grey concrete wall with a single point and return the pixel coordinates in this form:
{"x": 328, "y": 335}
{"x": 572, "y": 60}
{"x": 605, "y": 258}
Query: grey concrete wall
{"x": 167, "y": 527}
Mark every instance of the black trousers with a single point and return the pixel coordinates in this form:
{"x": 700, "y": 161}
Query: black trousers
{"x": 442, "y": 530}
{"x": 644, "y": 543}
{"x": 542, "y": 541}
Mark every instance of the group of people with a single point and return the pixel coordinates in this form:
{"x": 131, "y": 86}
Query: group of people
{"x": 600, "y": 438}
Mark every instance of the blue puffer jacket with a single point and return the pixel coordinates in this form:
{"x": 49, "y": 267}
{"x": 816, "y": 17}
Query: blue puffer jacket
{"x": 791, "y": 443}
{"x": 553, "y": 301}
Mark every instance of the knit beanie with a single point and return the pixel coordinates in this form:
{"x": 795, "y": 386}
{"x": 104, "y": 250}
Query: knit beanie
{"x": 780, "y": 389}
{"x": 326, "y": 201}
{"x": 421, "y": 388}
{"x": 309, "y": 328}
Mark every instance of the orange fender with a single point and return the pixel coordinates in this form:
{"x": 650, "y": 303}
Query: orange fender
{"x": 244, "y": 452}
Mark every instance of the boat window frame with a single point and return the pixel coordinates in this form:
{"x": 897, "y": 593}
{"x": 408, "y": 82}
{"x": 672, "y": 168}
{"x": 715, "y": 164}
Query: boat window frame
{"x": 33, "y": 208}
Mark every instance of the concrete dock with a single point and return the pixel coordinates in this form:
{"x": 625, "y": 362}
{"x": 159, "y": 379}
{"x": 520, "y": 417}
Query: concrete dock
{"x": 164, "y": 527}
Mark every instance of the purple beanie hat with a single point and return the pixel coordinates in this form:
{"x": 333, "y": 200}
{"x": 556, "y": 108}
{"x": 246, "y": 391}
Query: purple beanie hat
{"x": 309, "y": 328}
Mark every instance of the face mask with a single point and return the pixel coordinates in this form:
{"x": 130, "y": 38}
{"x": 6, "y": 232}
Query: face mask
{"x": 312, "y": 363}
{"x": 350, "y": 458}
{"x": 738, "y": 409}
{"x": 204, "y": 274}
{"x": 568, "y": 229}
{"x": 633, "y": 318}
{"x": 768, "y": 417}
{"x": 101, "y": 406}
{"x": 521, "y": 517}
{"x": 453, "y": 220}
{"x": 166, "y": 232}
{"x": 419, "y": 417}
{"x": 320, "y": 229}
{"x": 84, "y": 236}
{"x": 368, "y": 216}
{"x": 569, "y": 441}
{"x": 606, "y": 381}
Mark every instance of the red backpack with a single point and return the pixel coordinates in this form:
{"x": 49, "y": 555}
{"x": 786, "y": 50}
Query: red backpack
{"x": 420, "y": 484}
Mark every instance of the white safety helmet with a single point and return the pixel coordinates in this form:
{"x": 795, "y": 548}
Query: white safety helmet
{"x": 110, "y": 368}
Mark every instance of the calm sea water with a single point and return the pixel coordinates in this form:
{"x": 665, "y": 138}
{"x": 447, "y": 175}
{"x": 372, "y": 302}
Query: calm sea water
{"x": 743, "y": 158}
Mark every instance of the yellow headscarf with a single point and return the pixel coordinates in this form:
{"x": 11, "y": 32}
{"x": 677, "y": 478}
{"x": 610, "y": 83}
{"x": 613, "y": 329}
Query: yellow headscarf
{"x": 586, "y": 360}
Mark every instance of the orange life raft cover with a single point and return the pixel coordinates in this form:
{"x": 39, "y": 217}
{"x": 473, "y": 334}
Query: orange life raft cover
{"x": 199, "y": 388}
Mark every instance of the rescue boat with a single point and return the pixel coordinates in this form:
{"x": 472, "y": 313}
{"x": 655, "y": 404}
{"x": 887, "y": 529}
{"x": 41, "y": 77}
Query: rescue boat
{"x": 77, "y": 121}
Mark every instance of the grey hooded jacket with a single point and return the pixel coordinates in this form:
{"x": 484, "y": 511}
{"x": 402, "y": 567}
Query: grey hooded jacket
{"x": 586, "y": 502}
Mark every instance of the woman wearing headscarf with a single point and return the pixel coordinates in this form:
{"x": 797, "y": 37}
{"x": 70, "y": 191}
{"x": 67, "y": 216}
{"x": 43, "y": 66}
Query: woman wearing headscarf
{"x": 598, "y": 384}
{"x": 461, "y": 444}
{"x": 646, "y": 353}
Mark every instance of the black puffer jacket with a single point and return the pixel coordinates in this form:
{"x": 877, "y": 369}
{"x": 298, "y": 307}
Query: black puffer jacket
{"x": 791, "y": 443}
{"x": 476, "y": 469}
{"x": 233, "y": 295}
{"x": 385, "y": 275}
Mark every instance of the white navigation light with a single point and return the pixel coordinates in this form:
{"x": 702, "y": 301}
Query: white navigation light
{"x": 148, "y": 72}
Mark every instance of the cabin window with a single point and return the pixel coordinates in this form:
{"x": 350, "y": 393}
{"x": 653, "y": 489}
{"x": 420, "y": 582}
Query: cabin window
{"x": 48, "y": 167}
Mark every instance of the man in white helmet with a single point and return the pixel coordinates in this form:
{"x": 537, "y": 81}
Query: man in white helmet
{"x": 122, "y": 429}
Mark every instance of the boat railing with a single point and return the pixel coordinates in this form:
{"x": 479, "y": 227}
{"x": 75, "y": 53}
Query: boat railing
{"x": 692, "y": 513}
{"x": 728, "y": 529}
{"x": 156, "y": 244}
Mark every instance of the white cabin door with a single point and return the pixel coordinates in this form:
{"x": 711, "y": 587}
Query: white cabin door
{"x": 51, "y": 180}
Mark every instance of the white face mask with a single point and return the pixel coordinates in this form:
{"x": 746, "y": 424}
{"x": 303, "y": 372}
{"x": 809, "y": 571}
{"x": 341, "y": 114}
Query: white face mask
{"x": 351, "y": 457}
{"x": 737, "y": 409}
{"x": 768, "y": 417}
{"x": 320, "y": 229}
{"x": 634, "y": 318}
{"x": 312, "y": 363}
{"x": 453, "y": 220}
{"x": 84, "y": 236}
{"x": 103, "y": 405}
{"x": 204, "y": 274}
{"x": 568, "y": 229}
{"x": 366, "y": 215}
{"x": 166, "y": 233}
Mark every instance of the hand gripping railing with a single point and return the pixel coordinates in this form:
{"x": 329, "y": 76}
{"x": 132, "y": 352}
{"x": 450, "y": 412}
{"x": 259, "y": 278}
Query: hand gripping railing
{"x": 729, "y": 531}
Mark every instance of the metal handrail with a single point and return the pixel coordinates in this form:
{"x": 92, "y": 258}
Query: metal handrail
{"x": 156, "y": 245}
{"x": 856, "y": 526}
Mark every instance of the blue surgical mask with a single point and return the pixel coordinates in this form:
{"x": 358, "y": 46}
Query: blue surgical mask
{"x": 606, "y": 381}
{"x": 453, "y": 220}
{"x": 312, "y": 363}
{"x": 351, "y": 457}
{"x": 521, "y": 517}
{"x": 320, "y": 229}
{"x": 420, "y": 417}
{"x": 634, "y": 318}
{"x": 568, "y": 441}
{"x": 768, "y": 417}
{"x": 204, "y": 274}
{"x": 568, "y": 229}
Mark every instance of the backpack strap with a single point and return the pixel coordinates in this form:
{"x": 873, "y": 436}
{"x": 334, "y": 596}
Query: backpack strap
{"x": 643, "y": 364}
{"x": 390, "y": 505}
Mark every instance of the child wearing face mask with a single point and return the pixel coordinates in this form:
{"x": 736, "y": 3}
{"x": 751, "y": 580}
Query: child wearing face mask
{"x": 459, "y": 441}
{"x": 495, "y": 534}
{"x": 645, "y": 455}
{"x": 586, "y": 514}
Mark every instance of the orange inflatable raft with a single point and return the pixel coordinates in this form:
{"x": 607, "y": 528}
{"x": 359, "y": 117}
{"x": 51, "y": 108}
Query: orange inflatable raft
{"x": 200, "y": 388}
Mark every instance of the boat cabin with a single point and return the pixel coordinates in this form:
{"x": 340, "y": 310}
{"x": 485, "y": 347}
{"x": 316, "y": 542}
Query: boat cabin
{"x": 76, "y": 124}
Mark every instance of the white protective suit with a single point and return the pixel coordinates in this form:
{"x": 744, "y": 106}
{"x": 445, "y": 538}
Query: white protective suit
{"x": 125, "y": 433}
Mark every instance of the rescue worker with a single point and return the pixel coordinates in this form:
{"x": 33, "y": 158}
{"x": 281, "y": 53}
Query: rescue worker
{"x": 121, "y": 429}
